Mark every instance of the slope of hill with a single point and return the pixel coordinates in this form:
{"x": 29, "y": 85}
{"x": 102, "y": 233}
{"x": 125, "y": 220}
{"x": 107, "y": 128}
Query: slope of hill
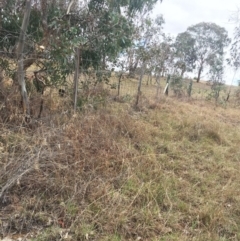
{"x": 167, "y": 172}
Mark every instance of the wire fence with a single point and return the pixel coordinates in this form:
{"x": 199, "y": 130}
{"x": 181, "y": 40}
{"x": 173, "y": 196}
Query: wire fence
{"x": 97, "y": 96}
{"x": 127, "y": 87}
{"x": 199, "y": 91}
{"x": 96, "y": 86}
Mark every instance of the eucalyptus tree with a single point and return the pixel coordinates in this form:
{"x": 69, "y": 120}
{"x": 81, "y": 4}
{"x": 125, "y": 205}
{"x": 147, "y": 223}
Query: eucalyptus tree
{"x": 185, "y": 54}
{"x": 147, "y": 32}
{"x": 206, "y": 42}
{"x": 162, "y": 55}
{"x": 99, "y": 29}
{"x": 152, "y": 31}
{"x": 216, "y": 71}
{"x": 40, "y": 32}
{"x": 234, "y": 59}
{"x": 109, "y": 29}
{"x": 102, "y": 29}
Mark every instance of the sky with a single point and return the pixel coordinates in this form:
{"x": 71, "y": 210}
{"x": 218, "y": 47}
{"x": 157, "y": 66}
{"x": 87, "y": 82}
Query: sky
{"x": 180, "y": 14}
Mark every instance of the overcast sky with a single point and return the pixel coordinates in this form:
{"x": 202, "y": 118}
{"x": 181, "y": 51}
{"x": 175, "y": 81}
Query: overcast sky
{"x": 180, "y": 14}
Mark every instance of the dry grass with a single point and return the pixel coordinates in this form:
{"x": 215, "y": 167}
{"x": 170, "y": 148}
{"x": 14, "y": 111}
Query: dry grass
{"x": 169, "y": 171}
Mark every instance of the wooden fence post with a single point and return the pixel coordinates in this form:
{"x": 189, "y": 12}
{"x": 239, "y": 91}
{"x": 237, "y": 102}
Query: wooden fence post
{"x": 190, "y": 88}
{"x": 158, "y": 86}
{"x": 76, "y": 76}
{"x": 140, "y": 84}
{"x": 167, "y": 85}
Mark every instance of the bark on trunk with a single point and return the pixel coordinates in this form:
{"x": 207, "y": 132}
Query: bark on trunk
{"x": 132, "y": 69}
{"x": 21, "y": 72}
{"x": 199, "y": 73}
{"x": 140, "y": 84}
{"x": 182, "y": 72}
{"x": 119, "y": 83}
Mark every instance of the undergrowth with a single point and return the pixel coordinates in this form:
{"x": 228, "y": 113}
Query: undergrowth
{"x": 169, "y": 171}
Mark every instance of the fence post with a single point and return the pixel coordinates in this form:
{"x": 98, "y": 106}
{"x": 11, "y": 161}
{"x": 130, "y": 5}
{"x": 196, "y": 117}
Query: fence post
{"x": 140, "y": 83}
{"x": 190, "y": 88}
{"x": 76, "y": 76}
{"x": 167, "y": 85}
{"x": 119, "y": 83}
{"x": 158, "y": 86}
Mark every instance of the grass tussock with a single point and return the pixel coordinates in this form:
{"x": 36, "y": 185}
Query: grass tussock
{"x": 168, "y": 171}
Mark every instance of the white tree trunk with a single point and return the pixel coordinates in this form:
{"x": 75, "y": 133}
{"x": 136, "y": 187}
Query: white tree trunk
{"x": 20, "y": 71}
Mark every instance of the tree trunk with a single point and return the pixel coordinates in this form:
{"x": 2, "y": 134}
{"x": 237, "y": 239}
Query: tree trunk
{"x": 104, "y": 61}
{"x": 76, "y": 76}
{"x": 119, "y": 83}
{"x": 1, "y": 7}
{"x": 132, "y": 69}
{"x": 149, "y": 79}
{"x": 77, "y": 64}
{"x": 20, "y": 72}
{"x": 199, "y": 73}
{"x": 183, "y": 70}
{"x": 190, "y": 89}
{"x": 140, "y": 84}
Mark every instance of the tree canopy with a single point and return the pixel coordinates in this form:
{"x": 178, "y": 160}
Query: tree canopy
{"x": 102, "y": 29}
{"x": 202, "y": 44}
{"x": 104, "y": 32}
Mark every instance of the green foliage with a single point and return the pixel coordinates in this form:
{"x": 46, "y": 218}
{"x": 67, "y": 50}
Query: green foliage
{"x": 216, "y": 89}
{"x": 184, "y": 52}
{"x": 103, "y": 76}
{"x": 11, "y": 18}
{"x": 5, "y": 65}
{"x": 161, "y": 55}
{"x": 101, "y": 30}
{"x": 140, "y": 5}
{"x": 177, "y": 85}
{"x": 202, "y": 44}
{"x": 50, "y": 234}
{"x": 114, "y": 237}
{"x": 127, "y": 98}
{"x": 216, "y": 69}
{"x": 150, "y": 46}
{"x": 35, "y": 32}
{"x": 84, "y": 231}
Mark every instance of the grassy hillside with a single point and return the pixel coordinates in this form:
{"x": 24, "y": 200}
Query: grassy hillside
{"x": 167, "y": 172}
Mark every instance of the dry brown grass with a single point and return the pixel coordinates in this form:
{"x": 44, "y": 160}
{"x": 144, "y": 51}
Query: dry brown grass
{"x": 169, "y": 171}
